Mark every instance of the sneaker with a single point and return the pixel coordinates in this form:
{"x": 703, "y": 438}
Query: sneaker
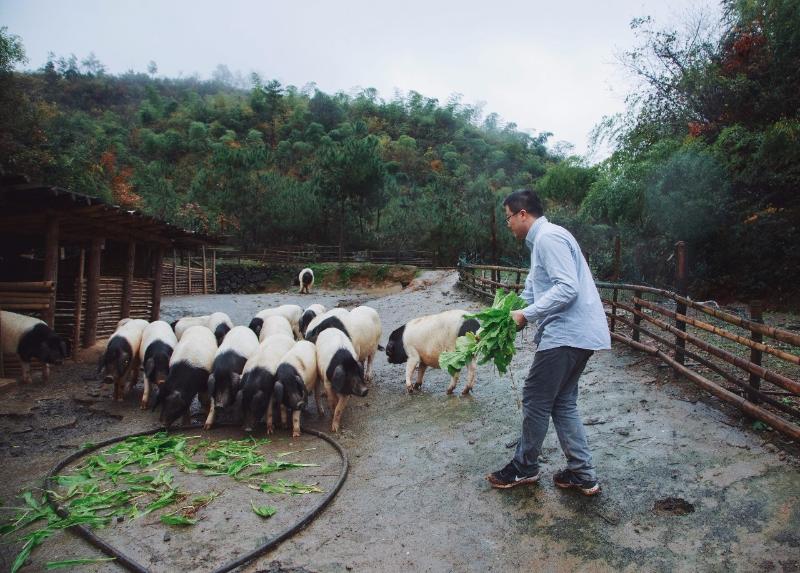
{"x": 567, "y": 479}
{"x": 510, "y": 477}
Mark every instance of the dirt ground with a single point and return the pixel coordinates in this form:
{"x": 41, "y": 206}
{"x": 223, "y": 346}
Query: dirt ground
{"x": 416, "y": 498}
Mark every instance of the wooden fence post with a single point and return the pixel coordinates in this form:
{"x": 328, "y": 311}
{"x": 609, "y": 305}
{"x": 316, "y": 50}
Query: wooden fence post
{"x": 93, "y": 292}
{"x": 205, "y": 271}
{"x": 755, "y": 355}
{"x": 637, "y": 319}
{"x": 681, "y": 282}
{"x": 214, "y": 269}
{"x": 158, "y": 268}
{"x": 76, "y": 332}
{"x": 174, "y": 271}
{"x": 189, "y": 272}
{"x": 127, "y": 281}
{"x": 613, "y": 311}
{"x": 51, "y": 253}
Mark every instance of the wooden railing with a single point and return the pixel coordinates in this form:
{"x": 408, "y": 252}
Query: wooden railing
{"x": 307, "y": 254}
{"x": 754, "y": 366}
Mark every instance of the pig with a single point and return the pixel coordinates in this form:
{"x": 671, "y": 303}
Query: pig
{"x": 290, "y": 312}
{"x": 362, "y": 325}
{"x": 120, "y": 363}
{"x": 258, "y": 380}
{"x": 340, "y": 372}
{"x": 420, "y": 341}
{"x": 295, "y": 378}
{"x": 305, "y": 279}
{"x": 309, "y": 314}
{"x": 223, "y": 384}
{"x": 275, "y": 324}
{"x": 217, "y": 322}
{"x": 189, "y": 368}
{"x": 155, "y": 351}
{"x": 30, "y": 338}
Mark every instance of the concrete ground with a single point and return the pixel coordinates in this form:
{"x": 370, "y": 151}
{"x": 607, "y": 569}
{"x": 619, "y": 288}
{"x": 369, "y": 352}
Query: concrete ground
{"x": 416, "y": 498}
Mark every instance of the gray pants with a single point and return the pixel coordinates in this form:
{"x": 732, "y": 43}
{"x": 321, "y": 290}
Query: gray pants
{"x": 551, "y": 389}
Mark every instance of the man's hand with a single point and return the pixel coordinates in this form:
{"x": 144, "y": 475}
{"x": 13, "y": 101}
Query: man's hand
{"x": 519, "y": 318}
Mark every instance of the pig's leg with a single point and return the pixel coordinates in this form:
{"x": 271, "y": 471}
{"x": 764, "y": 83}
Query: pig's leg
{"x": 453, "y": 383}
{"x": 470, "y": 377}
{"x": 317, "y": 398}
{"x": 296, "y": 424}
{"x": 133, "y": 376}
{"x": 410, "y": 365}
{"x": 270, "y": 406}
{"x": 284, "y": 416}
{"x": 118, "y": 382}
{"x": 332, "y": 397}
{"x": 420, "y": 373}
{"x": 145, "y": 393}
{"x": 370, "y": 360}
{"x": 45, "y": 372}
{"x": 337, "y": 414}
{"x": 26, "y": 372}
{"x": 209, "y": 403}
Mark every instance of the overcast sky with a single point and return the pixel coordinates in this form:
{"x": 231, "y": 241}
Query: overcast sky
{"x": 544, "y": 65}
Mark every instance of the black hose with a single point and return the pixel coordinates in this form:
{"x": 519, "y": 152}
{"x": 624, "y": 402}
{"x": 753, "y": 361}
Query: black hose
{"x": 132, "y": 565}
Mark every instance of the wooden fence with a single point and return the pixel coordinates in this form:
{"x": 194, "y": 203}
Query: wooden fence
{"x": 306, "y": 254}
{"x": 751, "y": 365}
{"x": 194, "y": 277}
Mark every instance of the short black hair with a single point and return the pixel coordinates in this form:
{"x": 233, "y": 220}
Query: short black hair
{"x": 524, "y": 199}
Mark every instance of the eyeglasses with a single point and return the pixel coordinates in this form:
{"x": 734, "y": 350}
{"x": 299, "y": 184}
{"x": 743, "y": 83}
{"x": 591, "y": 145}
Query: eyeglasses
{"x": 512, "y": 214}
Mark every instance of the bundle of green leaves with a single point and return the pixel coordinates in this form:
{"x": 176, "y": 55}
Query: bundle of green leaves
{"x": 494, "y": 340}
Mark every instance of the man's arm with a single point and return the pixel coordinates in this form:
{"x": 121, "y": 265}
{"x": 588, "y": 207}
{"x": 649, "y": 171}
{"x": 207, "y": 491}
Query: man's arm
{"x": 558, "y": 260}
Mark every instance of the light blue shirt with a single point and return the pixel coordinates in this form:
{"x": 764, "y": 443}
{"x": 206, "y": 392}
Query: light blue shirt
{"x": 560, "y": 292}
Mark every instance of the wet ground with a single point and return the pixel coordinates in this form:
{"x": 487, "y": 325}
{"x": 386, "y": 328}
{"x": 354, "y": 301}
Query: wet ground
{"x": 687, "y": 484}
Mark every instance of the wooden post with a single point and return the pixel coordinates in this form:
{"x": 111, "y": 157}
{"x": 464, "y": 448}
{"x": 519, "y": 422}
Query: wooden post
{"x": 92, "y": 292}
{"x": 155, "y": 312}
{"x": 755, "y": 355}
{"x": 637, "y": 319}
{"x": 189, "y": 272}
{"x": 51, "y": 264}
{"x": 76, "y": 332}
{"x": 174, "y": 271}
{"x": 205, "y": 272}
{"x": 127, "y": 280}
{"x": 614, "y": 311}
{"x": 681, "y": 282}
{"x": 214, "y": 269}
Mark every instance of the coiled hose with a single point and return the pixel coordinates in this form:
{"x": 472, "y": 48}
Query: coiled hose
{"x": 132, "y": 565}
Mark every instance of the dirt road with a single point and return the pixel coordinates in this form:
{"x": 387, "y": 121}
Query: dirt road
{"x": 416, "y": 498}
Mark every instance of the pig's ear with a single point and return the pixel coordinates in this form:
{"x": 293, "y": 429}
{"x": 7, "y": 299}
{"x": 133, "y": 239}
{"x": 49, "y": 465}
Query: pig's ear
{"x": 339, "y": 379}
{"x": 236, "y": 380}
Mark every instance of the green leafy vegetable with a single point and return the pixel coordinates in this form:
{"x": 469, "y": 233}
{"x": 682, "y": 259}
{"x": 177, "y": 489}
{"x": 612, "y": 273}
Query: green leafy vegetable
{"x": 264, "y": 511}
{"x": 173, "y": 519}
{"x": 73, "y": 562}
{"x": 494, "y": 340}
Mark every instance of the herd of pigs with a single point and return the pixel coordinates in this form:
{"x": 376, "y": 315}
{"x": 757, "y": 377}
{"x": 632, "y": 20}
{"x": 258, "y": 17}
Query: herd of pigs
{"x": 267, "y": 368}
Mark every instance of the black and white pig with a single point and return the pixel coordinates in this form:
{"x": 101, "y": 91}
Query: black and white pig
{"x": 223, "y": 384}
{"x": 296, "y": 378}
{"x": 420, "y": 341}
{"x": 217, "y": 322}
{"x": 341, "y": 374}
{"x": 155, "y": 351}
{"x": 120, "y": 363}
{"x": 305, "y": 280}
{"x": 31, "y": 338}
{"x": 362, "y": 325}
{"x": 258, "y": 380}
{"x": 309, "y": 314}
{"x": 189, "y": 368}
{"x": 273, "y": 325}
{"x": 291, "y": 312}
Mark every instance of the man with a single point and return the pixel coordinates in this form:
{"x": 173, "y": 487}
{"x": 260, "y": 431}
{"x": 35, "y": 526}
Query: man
{"x": 564, "y": 301}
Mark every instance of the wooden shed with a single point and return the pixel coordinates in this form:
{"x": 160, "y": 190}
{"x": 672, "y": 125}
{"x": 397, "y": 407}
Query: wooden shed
{"x": 81, "y": 263}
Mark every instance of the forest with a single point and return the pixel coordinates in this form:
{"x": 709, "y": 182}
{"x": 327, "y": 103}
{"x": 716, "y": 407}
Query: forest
{"x": 708, "y": 152}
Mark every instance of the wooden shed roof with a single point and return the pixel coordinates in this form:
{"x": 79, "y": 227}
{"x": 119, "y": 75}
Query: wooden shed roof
{"x": 24, "y": 208}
